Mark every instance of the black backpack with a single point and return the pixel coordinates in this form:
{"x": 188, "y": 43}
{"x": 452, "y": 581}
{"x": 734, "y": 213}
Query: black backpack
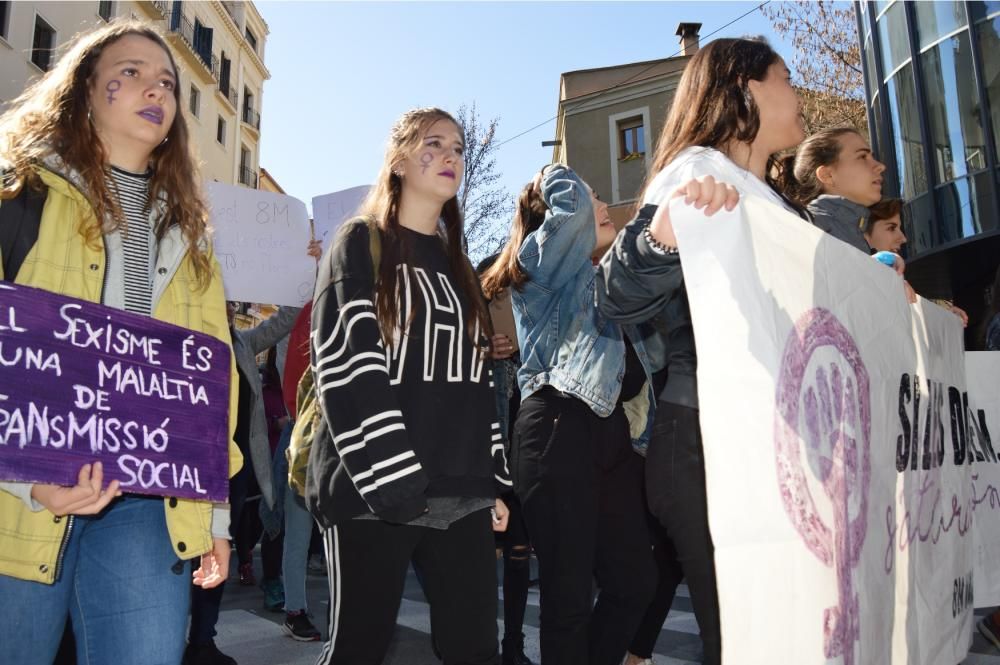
{"x": 20, "y": 218}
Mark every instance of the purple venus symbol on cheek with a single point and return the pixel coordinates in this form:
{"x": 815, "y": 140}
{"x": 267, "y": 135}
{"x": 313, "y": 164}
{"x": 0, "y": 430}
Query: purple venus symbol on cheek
{"x": 112, "y": 87}
{"x": 826, "y": 414}
{"x": 425, "y": 161}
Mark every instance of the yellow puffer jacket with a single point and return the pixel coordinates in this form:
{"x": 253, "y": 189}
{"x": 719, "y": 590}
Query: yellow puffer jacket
{"x": 62, "y": 262}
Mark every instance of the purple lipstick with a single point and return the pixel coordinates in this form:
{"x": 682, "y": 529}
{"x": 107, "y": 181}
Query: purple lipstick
{"x": 152, "y": 113}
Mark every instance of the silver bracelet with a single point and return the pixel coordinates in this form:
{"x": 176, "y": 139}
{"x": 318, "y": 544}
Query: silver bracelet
{"x": 656, "y": 245}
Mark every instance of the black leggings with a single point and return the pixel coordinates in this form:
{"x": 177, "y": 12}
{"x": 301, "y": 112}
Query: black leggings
{"x": 675, "y": 490}
{"x": 367, "y": 562}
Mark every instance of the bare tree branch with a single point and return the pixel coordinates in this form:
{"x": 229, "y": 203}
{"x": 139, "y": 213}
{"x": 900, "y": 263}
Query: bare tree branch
{"x": 827, "y": 61}
{"x": 486, "y": 205}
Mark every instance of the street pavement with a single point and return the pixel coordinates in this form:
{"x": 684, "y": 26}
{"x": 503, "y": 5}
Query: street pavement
{"x": 253, "y": 636}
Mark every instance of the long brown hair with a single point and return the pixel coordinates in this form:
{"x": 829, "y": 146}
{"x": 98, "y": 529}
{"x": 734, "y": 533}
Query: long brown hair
{"x": 382, "y": 203}
{"x": 713, "y": 106}
{"x": 506, "y": 271}
{"x": 797, "y": 178}
{"x": 52, "y": 117}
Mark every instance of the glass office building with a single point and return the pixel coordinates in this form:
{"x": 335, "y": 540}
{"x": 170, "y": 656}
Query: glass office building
{"x": 932, "y": 82}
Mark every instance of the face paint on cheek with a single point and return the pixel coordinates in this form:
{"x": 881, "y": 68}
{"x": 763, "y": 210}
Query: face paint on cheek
{"x": 425, "y": 161}
{"x": 112, "y": 87}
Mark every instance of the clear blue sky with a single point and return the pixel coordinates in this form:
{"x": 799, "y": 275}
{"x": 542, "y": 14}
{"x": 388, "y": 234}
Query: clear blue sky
{"x": 341, "y": 73}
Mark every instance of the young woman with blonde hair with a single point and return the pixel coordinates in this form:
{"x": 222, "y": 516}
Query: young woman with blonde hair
{"x": 101, "y": 137}
{"x": 414, "y": 462}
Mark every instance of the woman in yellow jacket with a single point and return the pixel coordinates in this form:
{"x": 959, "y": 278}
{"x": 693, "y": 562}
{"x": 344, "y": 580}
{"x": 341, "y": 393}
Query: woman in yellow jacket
{"x": 123, "y": 224}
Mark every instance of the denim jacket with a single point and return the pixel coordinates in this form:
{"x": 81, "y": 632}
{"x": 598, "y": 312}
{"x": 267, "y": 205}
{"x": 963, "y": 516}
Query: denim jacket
{"x": 565, "y": 341}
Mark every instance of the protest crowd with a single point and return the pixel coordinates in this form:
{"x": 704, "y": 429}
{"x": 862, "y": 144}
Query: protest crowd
{"x": 417, "y": 410}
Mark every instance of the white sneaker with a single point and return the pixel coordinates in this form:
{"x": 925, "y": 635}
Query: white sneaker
{"x": 644, "y": 661}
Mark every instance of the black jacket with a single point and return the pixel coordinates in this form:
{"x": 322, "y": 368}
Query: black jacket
{"x": 635, "y": 284}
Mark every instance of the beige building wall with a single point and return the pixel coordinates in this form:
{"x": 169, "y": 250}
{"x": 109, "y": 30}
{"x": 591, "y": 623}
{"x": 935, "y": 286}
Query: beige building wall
{"x": 224, "y": 115}
{"x": 595, "y": 106}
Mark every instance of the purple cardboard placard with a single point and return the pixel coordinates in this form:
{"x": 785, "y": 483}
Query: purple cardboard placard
{"x": 81, "y": 383}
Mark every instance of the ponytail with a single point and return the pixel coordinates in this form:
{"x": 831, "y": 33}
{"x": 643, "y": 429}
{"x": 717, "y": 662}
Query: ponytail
{"x": 506, "y": 271}
{"x": 797, "y": 173}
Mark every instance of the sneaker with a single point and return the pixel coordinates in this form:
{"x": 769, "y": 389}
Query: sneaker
{"x": 206, "y": 654}
{"x": 298, "y": 627}
{"x": 246, "y": 574}
{"x": 644, "y": 661}
{"x": 989, "y": 628}
{"x": 317, "y": 565}
{"x": 274, "y": 594}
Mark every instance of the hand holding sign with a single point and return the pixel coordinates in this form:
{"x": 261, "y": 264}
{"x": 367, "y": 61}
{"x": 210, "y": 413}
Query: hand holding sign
{"x": 704, "y": 192}
{"x": 87, "y": 497}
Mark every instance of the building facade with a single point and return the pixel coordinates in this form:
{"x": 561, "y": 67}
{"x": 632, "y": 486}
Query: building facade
{"x": 609, "y": 119}
{"x": 932, "y": 82}
{"x": 219, "y": 48}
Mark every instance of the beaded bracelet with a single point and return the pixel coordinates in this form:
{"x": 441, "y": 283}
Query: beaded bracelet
{"x": 656, "y": 245}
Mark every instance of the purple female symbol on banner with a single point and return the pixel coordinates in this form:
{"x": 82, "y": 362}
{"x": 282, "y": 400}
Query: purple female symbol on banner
{"x": 827, "y": 411}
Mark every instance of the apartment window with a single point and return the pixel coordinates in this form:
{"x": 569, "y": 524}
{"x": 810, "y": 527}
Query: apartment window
{"x": 252, "y": 40}
{"x": 631, "y": 138}
{"x": 104, "y": 10}
{"x": 224, "y": 69}
{"x": 194, "y": 101}
{"x": 220, "y": 131}
{"x": 43, "y": 44}
{"x": 203, "y": 42}
{"x": 4, "y": 18}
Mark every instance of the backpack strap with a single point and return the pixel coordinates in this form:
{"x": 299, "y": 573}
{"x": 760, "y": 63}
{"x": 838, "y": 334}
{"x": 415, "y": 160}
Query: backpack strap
{"x": 374, "y": 243}
{"x": 20, "y": 218}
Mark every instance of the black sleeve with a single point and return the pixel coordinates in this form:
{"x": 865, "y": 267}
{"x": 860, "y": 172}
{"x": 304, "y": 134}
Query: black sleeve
{"x": 352, "y": 383}
{"x": 634, "y": 282}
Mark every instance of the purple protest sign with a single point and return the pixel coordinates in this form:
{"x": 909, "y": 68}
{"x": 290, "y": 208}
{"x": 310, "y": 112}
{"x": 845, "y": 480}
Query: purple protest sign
{"x": 81, "y": 382}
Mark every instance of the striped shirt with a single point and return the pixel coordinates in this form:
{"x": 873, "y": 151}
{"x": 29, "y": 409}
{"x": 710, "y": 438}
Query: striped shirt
{"x": 137, "y": 239}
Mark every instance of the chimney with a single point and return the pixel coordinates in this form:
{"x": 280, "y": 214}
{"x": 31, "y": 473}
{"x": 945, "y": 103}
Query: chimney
{"x": 688, "y": 32}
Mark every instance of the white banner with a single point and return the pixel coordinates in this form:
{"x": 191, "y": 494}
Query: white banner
{"x": 840, "y": 513}
{"x": 260, "y": 240}
{"x": 983, "y": 374}
{"x": 332, "y": 210}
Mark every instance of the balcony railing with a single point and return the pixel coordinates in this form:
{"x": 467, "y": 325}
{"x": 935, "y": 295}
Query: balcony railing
{"x": 229, "y": 92}
{"x": 181, "y": 25}
{"x": 251, "y": 117}
{"x": 248, "y": 177}
{"x": 161, "y": 6}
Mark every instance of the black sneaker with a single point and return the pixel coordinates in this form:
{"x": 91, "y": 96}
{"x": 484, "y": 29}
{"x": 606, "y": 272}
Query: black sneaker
{"x": 513, "y": 651}
{"x": 206, "y": 654}
{"x": 298, "y": 627}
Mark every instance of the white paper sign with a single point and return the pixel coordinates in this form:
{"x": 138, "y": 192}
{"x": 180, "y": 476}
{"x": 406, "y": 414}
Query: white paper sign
{"x": 332, "y": 210}
{"x": 983, "y": 420}
{"x": 840, "y": 515}
{"x": 260, "y": 240}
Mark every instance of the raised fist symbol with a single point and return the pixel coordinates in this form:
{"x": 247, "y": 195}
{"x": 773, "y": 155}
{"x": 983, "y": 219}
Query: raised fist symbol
{"x": 826, "y": 414}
